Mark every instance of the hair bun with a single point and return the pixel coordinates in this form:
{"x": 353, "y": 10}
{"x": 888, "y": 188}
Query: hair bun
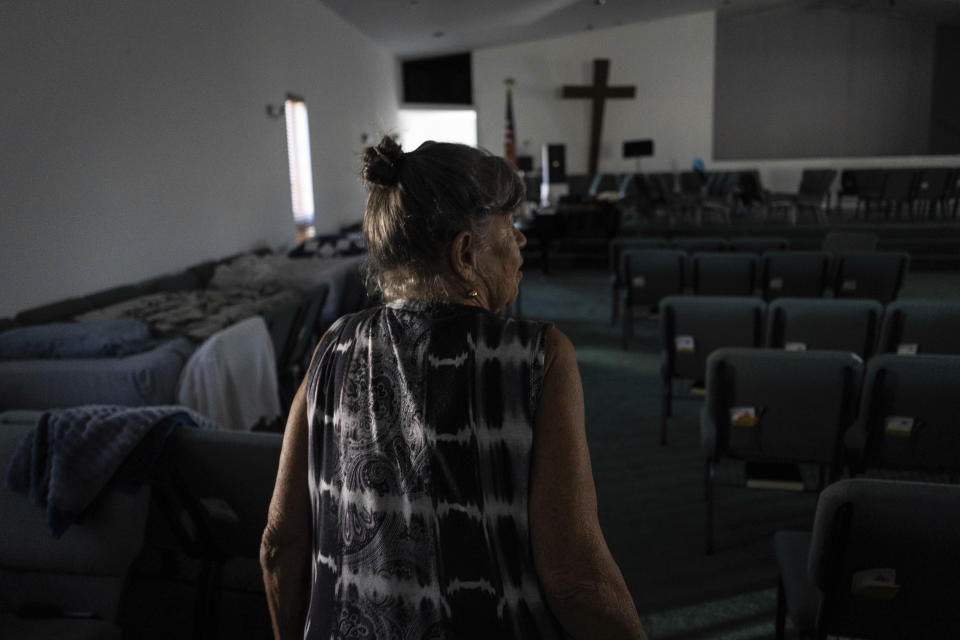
{"x": 381, "y": 164}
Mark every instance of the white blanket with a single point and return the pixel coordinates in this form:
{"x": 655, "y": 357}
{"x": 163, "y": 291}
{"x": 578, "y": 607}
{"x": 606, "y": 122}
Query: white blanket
{"x": 232, "y": 377}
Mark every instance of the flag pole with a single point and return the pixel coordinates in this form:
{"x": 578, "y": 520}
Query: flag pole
{"x": 509, "y": 131}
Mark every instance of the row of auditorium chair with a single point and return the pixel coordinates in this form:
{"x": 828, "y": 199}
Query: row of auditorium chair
{"x": 208, "y": 500}
{"x": 692, "y": 327}
{"x": 920, "y": 192}
{"x": 650, "y": 275}
{"x": 799, "y": 420}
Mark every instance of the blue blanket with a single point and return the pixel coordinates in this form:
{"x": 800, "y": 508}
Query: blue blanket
{"x": 73, "y": 454}
{"x": 96, "y": 339}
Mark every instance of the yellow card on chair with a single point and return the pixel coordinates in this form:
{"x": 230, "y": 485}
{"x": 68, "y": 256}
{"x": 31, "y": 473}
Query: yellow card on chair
{"x": 744, "y": 416}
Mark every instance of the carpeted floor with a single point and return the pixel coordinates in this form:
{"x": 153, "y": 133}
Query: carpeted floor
{"x": 650, "y": 497}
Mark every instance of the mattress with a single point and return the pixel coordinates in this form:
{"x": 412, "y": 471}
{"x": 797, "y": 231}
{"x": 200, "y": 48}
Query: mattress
{"x": 147, "y": 378}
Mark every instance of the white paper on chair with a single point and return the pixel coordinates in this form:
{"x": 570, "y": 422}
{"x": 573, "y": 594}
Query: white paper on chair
{"x": 908, "y": 348}
{"x": 795, "y": 346}
{"x": 875, "y": 583}
{"x": 899, "y": 425}
{"x": 744, "y": 416}
{"x": 684, "y": 344}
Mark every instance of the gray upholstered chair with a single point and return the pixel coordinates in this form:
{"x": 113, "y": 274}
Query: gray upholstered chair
{"x": 775, "y": 410}
{"x": 693, "y": 244}
{"x": 878, "y": 275}
{"x": 724, "y": 274}
{"x": 880, "y": 564}
{"x": 650, "y": 275}
{"x": 909, "y": 415}
{"x": 215, "y": 492}
{"x": 691, "y": 328}
{"x": 67, "y": 587}
{"x": 795, "y": 274}
{"x": 616, "y": 248}
{"x": 758, "y": 244}
{"x": 799, "y": 324}
{"x": 921, "y": 326}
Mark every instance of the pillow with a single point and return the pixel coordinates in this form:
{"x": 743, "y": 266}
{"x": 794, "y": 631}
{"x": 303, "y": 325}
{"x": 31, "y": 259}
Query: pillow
{"x": 96, "y": 339}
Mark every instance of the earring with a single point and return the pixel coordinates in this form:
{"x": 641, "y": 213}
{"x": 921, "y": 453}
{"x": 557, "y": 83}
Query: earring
{"x": 473, "y": 293}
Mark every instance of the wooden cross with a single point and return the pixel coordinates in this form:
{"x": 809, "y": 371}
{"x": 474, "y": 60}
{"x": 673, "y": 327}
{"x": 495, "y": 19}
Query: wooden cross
{"x": 598, "y": 92}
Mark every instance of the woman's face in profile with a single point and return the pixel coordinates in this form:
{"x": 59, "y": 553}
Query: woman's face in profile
{"x": 499, "y": 261}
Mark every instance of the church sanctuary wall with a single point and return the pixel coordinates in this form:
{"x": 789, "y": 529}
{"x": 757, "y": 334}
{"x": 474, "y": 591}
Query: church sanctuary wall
{"x": 813, "y": 83}
{"x": 670, "y": 62}
{"x": 135, "y": 139}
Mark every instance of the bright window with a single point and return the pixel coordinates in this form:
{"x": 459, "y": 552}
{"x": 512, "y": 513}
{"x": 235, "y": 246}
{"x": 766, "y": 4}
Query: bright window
{"x": 440, "y": 125}
{"x": 298, "y": 155}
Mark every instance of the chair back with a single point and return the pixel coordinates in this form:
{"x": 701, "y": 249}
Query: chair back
{"x": 758, "y": 244}
{"x": 883, "y": 555}
{"x": 603, "y": 182}
{"x": 899, "y": 185}
{"x": 801, "y": 324}
{"x": 219, "y": 486}
{"x": 815, "y": 185}
{"x": 618, "y": 245}
{"x": 909, "y": 414}
{"x": 693, "y": 327}
{"x": 724, "y": 274}
{"x": 85, "y": 569}
{"x": 693, "y": 244}
{"x": 308, "y": 329}
{"x": 795, "y": 274}
{"x": 652, "y": 274}
{"x": 932, "y": 184}
{"x": 780, "y": 406}
{"x": 878, "y": 275}
{"x": 837, "y": 241}
{"x": 921, "y": 326}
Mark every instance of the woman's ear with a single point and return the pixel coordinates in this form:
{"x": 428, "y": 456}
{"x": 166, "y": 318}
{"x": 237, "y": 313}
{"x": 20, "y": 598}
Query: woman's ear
{"x": 463, "y": 256}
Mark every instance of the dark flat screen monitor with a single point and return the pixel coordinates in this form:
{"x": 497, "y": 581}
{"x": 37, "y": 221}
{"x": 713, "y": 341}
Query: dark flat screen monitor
{"x": 637, "y": 148}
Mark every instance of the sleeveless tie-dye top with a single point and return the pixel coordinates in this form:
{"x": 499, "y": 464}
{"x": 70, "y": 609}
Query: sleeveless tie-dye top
{"x": 421, "y": 425}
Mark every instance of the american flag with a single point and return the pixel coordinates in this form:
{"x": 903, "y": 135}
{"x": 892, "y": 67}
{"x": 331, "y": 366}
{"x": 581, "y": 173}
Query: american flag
{"x": 509, "y": 133}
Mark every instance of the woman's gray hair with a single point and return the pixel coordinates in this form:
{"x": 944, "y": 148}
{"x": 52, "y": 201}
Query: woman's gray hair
{"x": 419, "y": 201}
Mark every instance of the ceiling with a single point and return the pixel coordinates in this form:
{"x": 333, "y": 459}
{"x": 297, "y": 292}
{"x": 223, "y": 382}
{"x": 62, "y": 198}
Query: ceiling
{"x": 420, "y": 28}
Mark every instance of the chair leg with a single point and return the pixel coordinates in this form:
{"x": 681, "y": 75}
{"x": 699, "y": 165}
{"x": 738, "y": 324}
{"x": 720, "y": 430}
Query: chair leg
{"x": 781, "y": 610}
{"x": 627, "y": 323}
{"x": 666, "y": 408}
{"x": 708, "y": 490}
{"x": 615, "y": 306}
{"x": 201, "y": 606}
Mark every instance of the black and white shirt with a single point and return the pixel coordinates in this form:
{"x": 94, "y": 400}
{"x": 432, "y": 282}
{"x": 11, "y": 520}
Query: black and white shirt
{"x": 421, "y": 426}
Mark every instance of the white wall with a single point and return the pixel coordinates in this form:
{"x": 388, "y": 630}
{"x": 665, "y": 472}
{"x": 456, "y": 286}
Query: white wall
{"x": 798, "y": 83}
{"x": 670, "y": 62}
{"x": 135, "y": 139}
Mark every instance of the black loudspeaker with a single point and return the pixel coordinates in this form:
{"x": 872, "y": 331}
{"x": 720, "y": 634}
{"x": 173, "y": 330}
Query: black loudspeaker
{"x": 637, "y": 148}
{"x": 525, "y": 163}
{"x": 554, "y": 163}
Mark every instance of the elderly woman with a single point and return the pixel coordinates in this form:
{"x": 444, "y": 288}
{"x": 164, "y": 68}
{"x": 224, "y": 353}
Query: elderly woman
{"x": 435, "y": 480}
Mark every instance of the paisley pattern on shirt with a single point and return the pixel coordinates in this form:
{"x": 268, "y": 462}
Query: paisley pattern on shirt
{"x": 421, "y": 426}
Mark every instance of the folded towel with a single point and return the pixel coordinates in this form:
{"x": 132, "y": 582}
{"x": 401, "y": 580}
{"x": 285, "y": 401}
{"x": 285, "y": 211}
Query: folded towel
{"x": 73, "y": 454}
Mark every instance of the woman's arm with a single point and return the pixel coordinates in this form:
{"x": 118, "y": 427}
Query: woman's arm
{"x": 583, "y": 585}
{"x": 285, "y": 548}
